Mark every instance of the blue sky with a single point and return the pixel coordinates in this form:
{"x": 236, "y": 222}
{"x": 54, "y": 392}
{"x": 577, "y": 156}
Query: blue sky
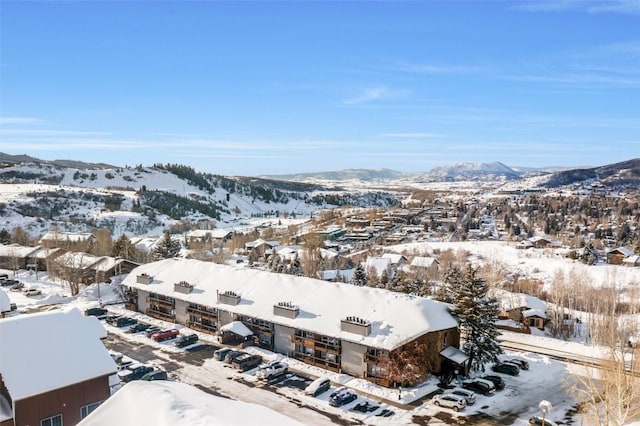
{"x": 252, "y": 88}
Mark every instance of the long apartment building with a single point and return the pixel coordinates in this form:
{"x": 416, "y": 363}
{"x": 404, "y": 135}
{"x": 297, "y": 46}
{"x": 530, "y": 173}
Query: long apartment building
{"x": 339, "y": 327}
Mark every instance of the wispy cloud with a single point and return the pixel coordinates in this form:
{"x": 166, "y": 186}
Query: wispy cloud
{"x": 588, "y": 80}
{"x": 49, "y": 132}
{"x": 437, "y": 68}
{"x": 413, "y": 135}
{"x": 18, "y": 120}
{"x": 376, "y": 93}
{"x": 630, "y": 7}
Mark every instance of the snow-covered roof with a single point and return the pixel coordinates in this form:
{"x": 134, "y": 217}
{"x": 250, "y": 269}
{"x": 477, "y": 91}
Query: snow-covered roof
{"x": 394, "y": 257}
{"x": 51, "y": 350}
{"x": 178, "y": 404}
{"x": 380, "y": 264}
{"x": 454, "y": 354}
{"x": 395, "y": 318}
{"x": 346, "y": 274}
{"x": 510, "y": 301}
{"x": 46, "y": 252}
{"x": 423, "y": 262}
{"x": 15, "y": 250}
{"x": 5, "y": 303}
{"x": 67, "y": 236}
{"x": 237, "y": 327}
{"x": 632, "y": 260}
{"x": 622, "y": 250}
{"x": 534, "y": 313}
{"x": 78, "y": 260}
{"x": 216, "y": 234}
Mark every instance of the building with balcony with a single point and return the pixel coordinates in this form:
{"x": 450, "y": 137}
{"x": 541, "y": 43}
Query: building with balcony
{"x": 336, "y": 326}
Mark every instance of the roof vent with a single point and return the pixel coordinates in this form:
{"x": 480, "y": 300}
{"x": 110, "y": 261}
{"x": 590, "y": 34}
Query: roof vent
{"x": 229, "y": 298}
{"x": 286, "y": 309}
{"x": 182, "y": 287}
{"x": 356, "y": 325}
{"x": 144, "y": 279}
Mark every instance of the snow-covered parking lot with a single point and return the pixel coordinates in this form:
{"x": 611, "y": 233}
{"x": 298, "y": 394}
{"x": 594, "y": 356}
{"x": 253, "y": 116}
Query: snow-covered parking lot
{"x": 195, "y": 365}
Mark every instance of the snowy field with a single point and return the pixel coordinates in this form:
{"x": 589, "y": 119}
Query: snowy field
{"x": 546, "y": 379}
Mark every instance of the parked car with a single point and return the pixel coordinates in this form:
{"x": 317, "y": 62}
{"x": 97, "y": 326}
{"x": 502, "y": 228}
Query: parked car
{"x": 155, "y": 375}
{"x": 134, "y": 372}
{"x": 9, "y": 282}
{"x": 271, "y": 370}
{"x": 318, "y": 386}
{"x": 231, "y": 355}
{"x": 13, "y": 307}
{"x": 247, "y": 362}
{"x": 365, "y": 407}
{"x": 111, "y": 319}
{"x": 448, "y": 400}
{"x": 521, "y": 363}
{"x": 137, "y": 328}
{"x": 17, "y": 286}
{"x": 163, "y": 335}
{"x": 150, "y": 331}
{"x": 537, "y": 421}
{"x": 506, "y": 368}
{"x": 4, "y": 277}
{"x": 123, "y": 322}
{"x": 480, "y": 386}
{"x": 32, "y": 292}
{"x": 185, "y": 340}
{"x": 95, "y": 312}
{"x": 221, "y": 353}
{"x": 496, "y": 380}
{"x": 468, "y": 395}
{"x": 343, "y": 398}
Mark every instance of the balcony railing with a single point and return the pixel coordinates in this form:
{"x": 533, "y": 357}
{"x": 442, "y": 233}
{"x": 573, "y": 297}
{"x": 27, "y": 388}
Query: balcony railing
{"x": 316, "y": 361}
{"x": 161, "y": 315}
{"x": 317, "y": 344}
{"x": 203, "y": 311}
{"x": 159, "y": 301}
{"x": 212, "y": 329}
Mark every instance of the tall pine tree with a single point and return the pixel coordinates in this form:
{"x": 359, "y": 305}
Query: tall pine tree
{"x": 166, "y": 248}
{"x": 477, "y": 314}
{"x": 359, "y": 276}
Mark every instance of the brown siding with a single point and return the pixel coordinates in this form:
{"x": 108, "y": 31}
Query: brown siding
{"x": 66, "y": 401}
{"x": 7, "y": 423}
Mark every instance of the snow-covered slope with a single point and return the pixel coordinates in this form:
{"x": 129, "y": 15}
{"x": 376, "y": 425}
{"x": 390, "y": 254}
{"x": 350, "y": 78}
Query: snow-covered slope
{"x": 37, "y": 196}
{"x": 495, "y": 171}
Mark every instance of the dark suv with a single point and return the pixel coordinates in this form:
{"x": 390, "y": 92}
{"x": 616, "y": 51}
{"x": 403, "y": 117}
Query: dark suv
{"x": 506, "y": 368}
{"x": 247, "y": 362}
{"x": 481, "y": 386}
{"x": 496, "y": 380}
{"x": 185, "y": 340}
{"x": 95, "y": 312}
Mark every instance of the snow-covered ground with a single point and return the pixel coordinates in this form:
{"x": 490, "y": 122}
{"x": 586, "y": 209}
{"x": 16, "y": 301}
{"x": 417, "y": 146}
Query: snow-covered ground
{"x": 546, "y": 379}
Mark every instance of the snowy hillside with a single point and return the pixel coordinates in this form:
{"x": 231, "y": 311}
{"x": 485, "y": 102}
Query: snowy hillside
{"x": 37, "y": 196}
{"x": 495, "y": 171}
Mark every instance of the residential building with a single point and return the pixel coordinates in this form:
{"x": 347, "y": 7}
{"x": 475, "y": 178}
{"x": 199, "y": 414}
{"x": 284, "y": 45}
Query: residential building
{"x": 54, "y": 370}
{"x": 336, "y": 326}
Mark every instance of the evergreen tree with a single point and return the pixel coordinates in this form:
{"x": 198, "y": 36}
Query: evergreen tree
{"x": 295, "y": 268}
{"x": 123, "y": 248}
{"x": 359, "y": 276}
{"x": 477, "y": 314}
{"x": 166, "y": 248}
{"x": 5, "y": 236}
{"x": 384, "y": 280}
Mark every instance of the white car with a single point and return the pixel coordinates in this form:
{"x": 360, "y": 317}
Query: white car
{"x": 271, "y": 370}
{"x": 448, "y": 400}
{"x": 318, "y": 386}
{"x": 468, "y": 395}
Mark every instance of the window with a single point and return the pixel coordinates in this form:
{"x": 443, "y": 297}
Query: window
{"x": 88, "y": 409}
{"x": 52, "y": 421}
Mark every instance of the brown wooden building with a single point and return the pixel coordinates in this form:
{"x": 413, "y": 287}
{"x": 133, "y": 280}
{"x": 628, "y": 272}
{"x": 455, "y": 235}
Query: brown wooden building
{"x": 44, "y": 382}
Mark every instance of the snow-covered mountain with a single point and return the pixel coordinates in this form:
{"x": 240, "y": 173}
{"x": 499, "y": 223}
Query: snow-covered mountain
{"x": 39, "y": 195}
{"x": 365, "y": 175}
{"x": 491, "y": 172}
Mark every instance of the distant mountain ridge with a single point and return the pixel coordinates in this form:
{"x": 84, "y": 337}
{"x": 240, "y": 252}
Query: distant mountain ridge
{"x": 19, "y": 159}
{"x": 495, "y": 171}
{"x": 366, "y": 175}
